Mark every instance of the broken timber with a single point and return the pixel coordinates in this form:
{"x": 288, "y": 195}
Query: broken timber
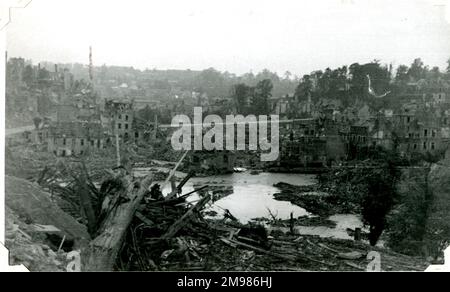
{"x": 104, "y": 249}
{"x": 180, "y": 223}
{"x": 156, "y": 203}
{"x": 184, "y": 181}
{"x": 257, "y": 249}
{"x": 86, "y": 203}
{"x": 171, "y": 173}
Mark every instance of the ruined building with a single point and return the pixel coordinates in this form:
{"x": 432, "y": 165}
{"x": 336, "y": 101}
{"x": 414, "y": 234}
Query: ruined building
{"x": 422, "y": 129}
{"x": 75, "y": 138}
{"x": 120, "y": 114}
{"x": 14, "y": 73}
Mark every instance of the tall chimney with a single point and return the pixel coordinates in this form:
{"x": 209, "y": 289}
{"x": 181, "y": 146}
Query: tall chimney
{"x": 56, "y": 68}
{"x": 91, "y": 77}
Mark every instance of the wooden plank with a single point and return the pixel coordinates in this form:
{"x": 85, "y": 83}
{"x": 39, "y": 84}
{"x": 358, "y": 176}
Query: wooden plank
{"x": 184, "y": 181}
{"x": 257, "y": 249}
{"x": 354, "y": 266}
{"x": 328, "y": 248}
{"x": 172, "y": 172}
{"x": 144, "y": 219}
{"x": 180, "y": 223}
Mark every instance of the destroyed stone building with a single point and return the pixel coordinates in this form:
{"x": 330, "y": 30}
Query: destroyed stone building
{"x": 15, "y": 68}
{"x": 75, "y": 138}
{"x": 422, "y": 129}
{"x": 311, "y": 142}
{"x": 121, "y": 115}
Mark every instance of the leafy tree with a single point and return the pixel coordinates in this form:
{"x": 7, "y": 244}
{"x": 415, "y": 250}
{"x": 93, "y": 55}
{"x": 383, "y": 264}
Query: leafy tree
{"x": 43, "y": 78}
{"x": 260, "y": 100}
{"x": 379, "y": 76}
{"x": 407, "y": 222}
{"x": 417, "y": 70}
{"x": 240, "y": 94}
{"x": 212, "y": 82}
{"x": 370, "y": 188}
{"x": 304, "y": 88}
{"x": 402, "y": 74}
{"x": 325, "y": 82}
{"x": 434, "y": 74}
{"x": 28, "y": 75}
{"x": 248, "y": 78}
{"x": 448, "y": 66}
{"x": 267, "y": 74}
{"x": 379, "y": 198}
{"x": 43, "y": 74}
{"x": 287, "y": 75}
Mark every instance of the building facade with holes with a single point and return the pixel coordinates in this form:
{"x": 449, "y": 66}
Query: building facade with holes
{"x": 75, "y": 138}
{"x": 121, "y": 116}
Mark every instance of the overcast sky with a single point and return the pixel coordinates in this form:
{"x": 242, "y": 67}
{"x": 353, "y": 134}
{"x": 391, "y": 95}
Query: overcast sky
{"x": 232, "y": 35}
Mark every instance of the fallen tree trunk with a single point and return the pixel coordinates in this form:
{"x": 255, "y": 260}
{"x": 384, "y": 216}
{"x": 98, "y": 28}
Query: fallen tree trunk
{"x": 86, "y": 203}
{"x": 103, "y": 250}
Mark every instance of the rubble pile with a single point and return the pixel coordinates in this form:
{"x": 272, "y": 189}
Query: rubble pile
{"x": 35, "y": 206}
{"x": 150, "y": 245}
{"x": 217, "y": 245}
{"x": 175, "y": 235}
{"x": 31, "y": 250}
{"x": 131, "y": 226}
{"x": 29, "y": 163}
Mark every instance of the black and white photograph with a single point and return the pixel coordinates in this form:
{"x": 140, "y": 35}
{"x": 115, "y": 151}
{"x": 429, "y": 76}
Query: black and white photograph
{"x": 225, "y": 136}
